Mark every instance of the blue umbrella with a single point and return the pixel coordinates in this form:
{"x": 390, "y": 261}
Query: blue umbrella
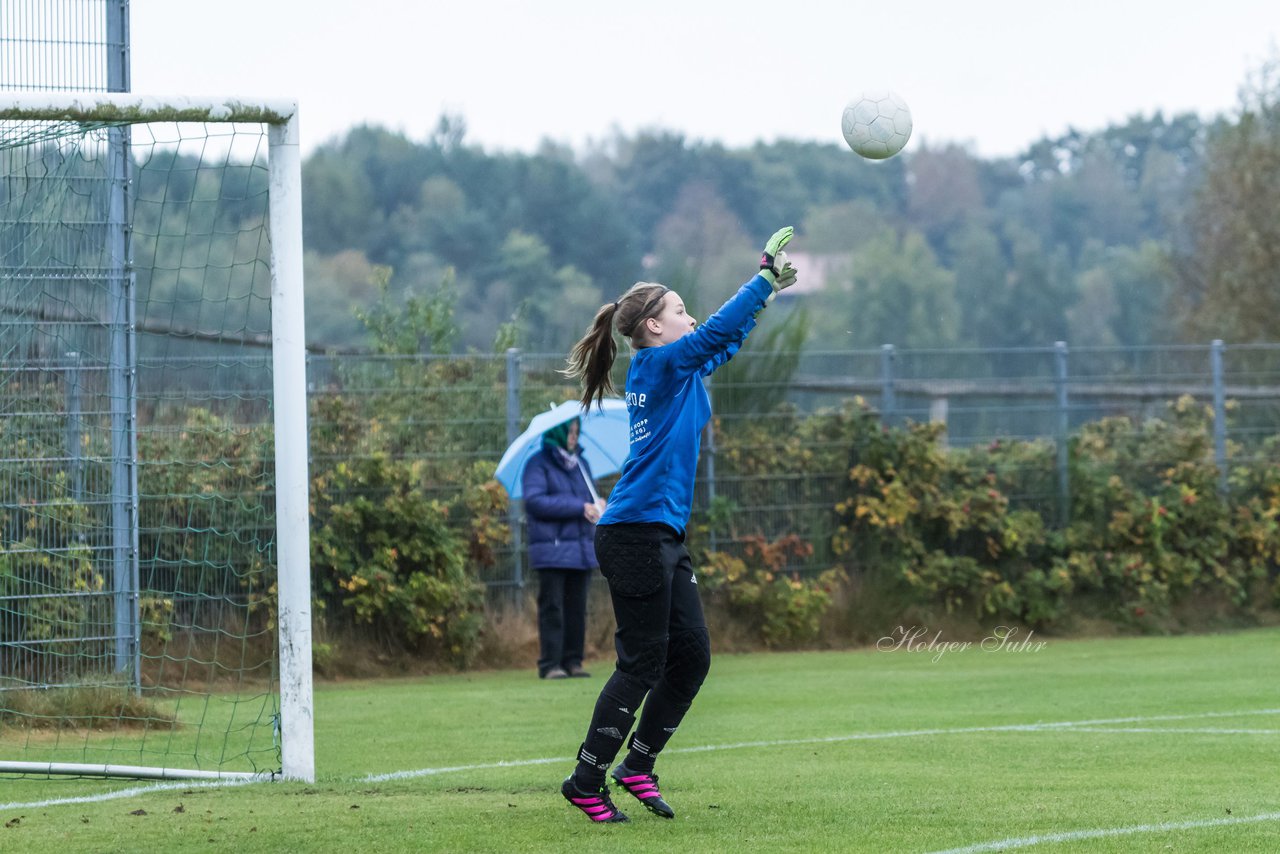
{"x": 605, "y": 438}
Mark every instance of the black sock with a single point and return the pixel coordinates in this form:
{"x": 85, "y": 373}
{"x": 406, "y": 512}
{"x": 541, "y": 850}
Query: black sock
{"x": 662, "y": 715}
{"x": 615, "y": 713}
{"x": 640, "y": 757}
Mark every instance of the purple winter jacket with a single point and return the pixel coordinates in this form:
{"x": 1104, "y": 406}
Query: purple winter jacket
{"x": 560, "y": 537}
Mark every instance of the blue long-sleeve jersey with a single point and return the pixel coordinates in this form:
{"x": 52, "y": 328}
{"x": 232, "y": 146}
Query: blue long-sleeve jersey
{"x": 668, "y": 407}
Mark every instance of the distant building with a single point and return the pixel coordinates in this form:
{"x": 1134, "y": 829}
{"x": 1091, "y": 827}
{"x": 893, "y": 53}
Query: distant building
{"x": 815, "y": 270}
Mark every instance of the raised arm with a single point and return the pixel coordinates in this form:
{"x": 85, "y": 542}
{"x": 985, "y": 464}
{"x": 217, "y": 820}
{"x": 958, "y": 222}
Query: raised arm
{"x": 715, "y": 341}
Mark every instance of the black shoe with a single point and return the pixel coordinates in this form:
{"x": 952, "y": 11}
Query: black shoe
{"x": 578, "y": 673}
{"x": 555, "y": 673}
{"x": 645, "y": 789}
{"x": 595, "y": 805}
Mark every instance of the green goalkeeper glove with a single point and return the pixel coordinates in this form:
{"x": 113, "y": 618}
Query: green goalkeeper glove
{"x": 786, "y": 276}
{"x": 774, "y": 261}
{"x": 784, "y": 279}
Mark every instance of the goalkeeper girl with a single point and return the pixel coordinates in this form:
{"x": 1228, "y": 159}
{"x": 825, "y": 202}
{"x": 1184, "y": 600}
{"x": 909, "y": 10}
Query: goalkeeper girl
{"x": 663, "y": 647}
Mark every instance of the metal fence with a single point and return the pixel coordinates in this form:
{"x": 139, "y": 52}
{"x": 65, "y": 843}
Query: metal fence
{"x": 67, "y": 45}
{"x": 64, "y": 45}
{"x": 1044, "y": 393}
{"x": 455, "y": 415}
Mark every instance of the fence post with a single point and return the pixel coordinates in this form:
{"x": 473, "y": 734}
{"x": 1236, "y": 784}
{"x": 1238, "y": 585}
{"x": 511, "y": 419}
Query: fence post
{"x": 123, "y": 412}
{"x": 1219, "y": 413}
{"x": 1063, "y": 427}
{"x": 887, "y": 402}
{"x": 514, "y": 507}
{"x": 938, "y": 406}
{"x": 75, "y": 430}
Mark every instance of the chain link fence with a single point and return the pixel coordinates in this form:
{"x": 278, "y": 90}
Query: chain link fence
{"x": 64, "y": 45}
{"x": 472, "y": 406}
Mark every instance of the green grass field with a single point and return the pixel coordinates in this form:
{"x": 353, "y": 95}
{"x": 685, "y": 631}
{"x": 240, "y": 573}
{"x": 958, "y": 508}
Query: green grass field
{"x": 1139, "y": 744}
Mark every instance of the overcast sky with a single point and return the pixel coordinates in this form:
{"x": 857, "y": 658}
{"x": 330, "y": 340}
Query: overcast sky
{"x": 994, "y": 75}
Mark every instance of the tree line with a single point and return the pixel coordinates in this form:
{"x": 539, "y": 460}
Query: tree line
{"x": 1155, "y": 230}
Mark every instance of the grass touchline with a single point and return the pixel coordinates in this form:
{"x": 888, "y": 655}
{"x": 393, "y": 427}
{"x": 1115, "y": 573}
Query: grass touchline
{"x": 1090, "y": 726}
{"x": 1100, "y": 833}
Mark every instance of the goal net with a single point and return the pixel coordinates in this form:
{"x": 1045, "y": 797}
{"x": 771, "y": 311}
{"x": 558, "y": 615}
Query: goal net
{"x": 154, "y": 575}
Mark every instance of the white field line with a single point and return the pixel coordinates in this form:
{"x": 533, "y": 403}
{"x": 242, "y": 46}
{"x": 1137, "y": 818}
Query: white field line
{"x": 1084, "y": 726}
{"x": 1188, "y": 730}
{"x": 130, "y": 792}
{"x": 1104, "y": 832}
{"x": 833, "y": 739}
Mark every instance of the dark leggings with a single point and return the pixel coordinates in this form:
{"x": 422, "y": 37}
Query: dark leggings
{"x": 664, "y": 651}
{"x": 562, "y": 617}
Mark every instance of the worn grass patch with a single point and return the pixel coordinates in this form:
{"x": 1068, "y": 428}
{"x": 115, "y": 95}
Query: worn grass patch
{"x": 89, "y": 707}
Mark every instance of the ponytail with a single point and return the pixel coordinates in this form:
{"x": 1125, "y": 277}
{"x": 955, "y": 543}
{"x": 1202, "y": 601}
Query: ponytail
{"x": 591, "y": 359}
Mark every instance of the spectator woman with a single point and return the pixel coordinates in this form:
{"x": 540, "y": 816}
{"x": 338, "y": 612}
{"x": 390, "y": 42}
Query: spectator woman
{"x": 562, "y": 508}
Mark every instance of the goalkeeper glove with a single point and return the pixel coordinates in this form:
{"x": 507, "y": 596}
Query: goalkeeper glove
{"x": 774, "y": 261}
{"x": 786, "y": 276}
{"x": 785, "y": 279}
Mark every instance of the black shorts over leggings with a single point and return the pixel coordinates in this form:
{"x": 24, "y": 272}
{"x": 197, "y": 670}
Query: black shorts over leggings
{"x": 654, "y": 592}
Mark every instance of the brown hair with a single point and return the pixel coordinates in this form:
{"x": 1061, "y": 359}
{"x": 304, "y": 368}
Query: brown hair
{"x": 591, "y": 359}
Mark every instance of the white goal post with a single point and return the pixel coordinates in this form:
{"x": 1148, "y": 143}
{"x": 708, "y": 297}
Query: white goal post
{"x": 288, "y": 403}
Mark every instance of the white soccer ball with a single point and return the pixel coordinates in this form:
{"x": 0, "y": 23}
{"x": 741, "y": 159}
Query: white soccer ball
{"x": 877, "y": 124}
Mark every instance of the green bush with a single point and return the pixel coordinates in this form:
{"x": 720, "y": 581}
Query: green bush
{"x": 385, "y": 560}
{"x": 52, "y": 597}
{"x": 1255, "y": 491}
{"x": 205, "y": 483}
{"x": 1149, "y": 524}
{"x": 942, "y": 522}
{"x": 780, "y": 607}
{"x": 48, "y": 580}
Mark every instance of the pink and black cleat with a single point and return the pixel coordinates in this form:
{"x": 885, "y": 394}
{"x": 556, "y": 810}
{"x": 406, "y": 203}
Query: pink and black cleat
{"x": 596, "y": 805}
{"x": 645, "y": 789}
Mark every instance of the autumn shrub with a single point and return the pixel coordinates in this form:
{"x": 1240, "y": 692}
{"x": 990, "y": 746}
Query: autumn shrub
{"x": 53, "y": 595}
{"x": 753, "y": 588}
{"x": 1254, "y": 485}
{"x": 206, "y": 483}
{"x": 942, "y": 522}
{"x": 386, "y": 561}
{"x": 1149, "y": 525}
